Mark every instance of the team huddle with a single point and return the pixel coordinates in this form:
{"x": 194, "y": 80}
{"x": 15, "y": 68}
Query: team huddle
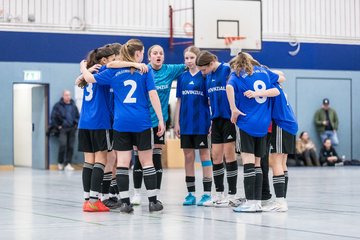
{"x": 234, "y": 107}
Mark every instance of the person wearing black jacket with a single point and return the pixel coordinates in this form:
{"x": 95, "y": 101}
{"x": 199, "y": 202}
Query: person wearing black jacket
{"x": 328, "y": 154}
{"x": 65, "y": 118}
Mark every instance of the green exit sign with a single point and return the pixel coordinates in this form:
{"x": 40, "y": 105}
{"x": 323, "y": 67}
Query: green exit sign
{"x": 32, "y": 75}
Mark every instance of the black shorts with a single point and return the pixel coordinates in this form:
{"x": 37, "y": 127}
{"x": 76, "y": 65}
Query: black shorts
{"x": 222, "y": 131}
{"x": 282, "y": 141}
{"x": 95, "y": 140}
{"x": 157, "y": 139}
{"x": 194, "y": 141}
{"x": 254, "y": 145}
{"x": 124, "y": 141}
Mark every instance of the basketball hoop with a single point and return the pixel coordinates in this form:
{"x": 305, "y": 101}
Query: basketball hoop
{"x": 234, "y": 43}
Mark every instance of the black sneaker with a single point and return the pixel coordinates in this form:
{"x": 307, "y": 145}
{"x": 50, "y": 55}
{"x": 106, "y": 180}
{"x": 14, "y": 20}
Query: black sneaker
{"x": 114, "y": 199}
{"x": 155, "y": 207}
{"x": 126, "y": 208}
{"x": 110, "y": 203}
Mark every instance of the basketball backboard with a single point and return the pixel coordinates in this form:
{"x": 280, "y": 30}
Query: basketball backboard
{"x": 215, "y": 20}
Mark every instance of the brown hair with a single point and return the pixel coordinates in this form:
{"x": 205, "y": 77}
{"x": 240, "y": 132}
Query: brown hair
{"x": 243, "y": 61}
{"x": 115, "y": 47}
{"x": 128, "y": 50}
{"x": 205, "y": 58}
{"x": 192, "y": 49}
{"x": 97, "y": 54}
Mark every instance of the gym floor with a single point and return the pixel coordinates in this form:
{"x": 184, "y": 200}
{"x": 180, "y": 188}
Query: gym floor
{"x": 35, "y": 204}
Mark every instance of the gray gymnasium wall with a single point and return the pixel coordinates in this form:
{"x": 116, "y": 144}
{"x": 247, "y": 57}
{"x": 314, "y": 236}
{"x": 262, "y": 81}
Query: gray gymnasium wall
{"x": 305, "y": 89}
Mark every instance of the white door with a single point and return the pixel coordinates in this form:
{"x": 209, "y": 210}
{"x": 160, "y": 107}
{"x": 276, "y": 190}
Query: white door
{"x": 30, "y": 124}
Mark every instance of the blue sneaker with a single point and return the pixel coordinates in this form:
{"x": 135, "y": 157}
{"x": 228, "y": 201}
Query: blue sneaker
{"x": 204, "y": 198}
{"x": 248, "y": 206}
{"x": 189, "y": 200}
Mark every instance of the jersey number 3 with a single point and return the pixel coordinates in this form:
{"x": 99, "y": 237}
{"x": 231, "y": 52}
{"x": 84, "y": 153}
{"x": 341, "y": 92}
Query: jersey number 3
{"x": 129, "y": 98}
{"x": 90, "y": 91}
{"x": 260, "y": 86}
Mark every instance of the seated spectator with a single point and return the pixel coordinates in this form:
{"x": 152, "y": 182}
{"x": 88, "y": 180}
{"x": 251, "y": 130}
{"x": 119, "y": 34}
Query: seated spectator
{"x": 328, "y": 155}
{"x": 306, "y": 150}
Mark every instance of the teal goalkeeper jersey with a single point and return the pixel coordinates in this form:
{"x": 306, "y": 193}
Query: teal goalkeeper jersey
{"x": 163, "y": 80}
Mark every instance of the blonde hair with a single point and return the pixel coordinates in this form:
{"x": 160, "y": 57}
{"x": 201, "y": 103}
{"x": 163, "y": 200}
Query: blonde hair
{"x": 192, "y": 49}
{"x": 152, "y": 47}
{"x": 127, "y": 51}
{"x": 243, "y": 61}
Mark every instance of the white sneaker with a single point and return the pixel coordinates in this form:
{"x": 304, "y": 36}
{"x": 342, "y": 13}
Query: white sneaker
{"x": 235, "y": 201}
{"x": 250, "y": 206}
{"x": 215, "y": 198}
{"x": 60, "y": 167}
{"x": 136, "y": 200}
{"x": 278, "y": 205}
{"x": 69, "y": 167}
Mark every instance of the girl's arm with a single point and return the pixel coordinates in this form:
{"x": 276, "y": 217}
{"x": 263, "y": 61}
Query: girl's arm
{"x": 88, "y": 76}
{"x": 80, "y": 81}
{"x": 272, "y": 92}
{"x": 155, "y": 102}
{"x": 177, "y": 115}
{"x": 231, "y": 98}
{"x": 122, "y": 64}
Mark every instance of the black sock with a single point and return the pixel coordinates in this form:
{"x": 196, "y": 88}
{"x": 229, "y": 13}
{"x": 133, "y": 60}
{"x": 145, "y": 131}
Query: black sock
{"x": 122, "y": 180}
{"x": 207, "y": 182}
{"x": 96, "y": 180}
{"x": 218, "y": 172}
{"x": 150, "y": 183}
{"x": 158, "y": 166}
{"x": 105, "y": 188}
{"x": 279, "y": 186}
{"x": 190, "y": 183}
{"x": 286, "y": 182}
{"x": 266, "y": 195}
{"x": 231, "y": 175}
{"x": 86, "y": 179}
{"x": 113, "y": 187}
{"x": 249, "y": 181}
{"x": 137, "y": 171}
{"x": 258, "y": 183}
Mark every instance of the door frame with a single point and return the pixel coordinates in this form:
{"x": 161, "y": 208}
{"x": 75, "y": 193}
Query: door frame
{"x": 47, "y": 104}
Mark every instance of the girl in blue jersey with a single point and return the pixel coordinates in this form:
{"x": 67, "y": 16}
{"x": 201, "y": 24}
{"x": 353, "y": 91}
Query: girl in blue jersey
{"x": 283, "y": 140}
{"x": 248, "y": 90}
{"x": 223, "y": 133}
{"x": 94, "y": 136}
{"x": 192, "y": 123}
{"x": 132, "y": 123}
{"x": 164, "y": 74}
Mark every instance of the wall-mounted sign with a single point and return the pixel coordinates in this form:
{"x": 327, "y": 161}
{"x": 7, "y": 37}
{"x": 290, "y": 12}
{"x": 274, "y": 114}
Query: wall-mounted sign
{"x": 32, "y": 75}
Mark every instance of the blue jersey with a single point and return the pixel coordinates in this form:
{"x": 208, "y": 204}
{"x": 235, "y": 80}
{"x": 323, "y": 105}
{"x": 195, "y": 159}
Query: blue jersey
{"x": 163, "y": 79}
{"x": 95, "y": 112}
{"x": 131, "y": 91}
{"x": 257, "y": 110}
{"x": 111, "y": 99}
{"x": 282, "y": 113}
{"x": 216, "y": 88}
{"x": 194, "y": 109}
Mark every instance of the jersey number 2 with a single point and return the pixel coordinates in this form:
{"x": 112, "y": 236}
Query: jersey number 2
{"x": 260, "y": 86}
{"x": 129, "y": 98}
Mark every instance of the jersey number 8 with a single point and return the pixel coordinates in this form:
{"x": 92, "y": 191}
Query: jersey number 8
{"x": 260, "y": 86}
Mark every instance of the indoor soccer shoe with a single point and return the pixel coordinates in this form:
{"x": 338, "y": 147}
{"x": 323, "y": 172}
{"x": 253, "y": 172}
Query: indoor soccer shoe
{"x": 126, "y": 208}
{"x": 97, "y": 206}
{"x": 136, "y": 200}
{"x": 250, "y": 206}
{"x": 111, "y": 203}
{"x": 84, "y": 205}
{"x": 216, "y": 198}
{"x": 204, "y": 198}
{"x": 189, "y": 200}
{"x": 235, "y": 201}
{"x": 278, "y": 205}
{"x": 155, "y": 207}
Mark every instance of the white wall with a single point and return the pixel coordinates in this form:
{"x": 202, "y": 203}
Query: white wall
{"x": 324, "y": 21}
